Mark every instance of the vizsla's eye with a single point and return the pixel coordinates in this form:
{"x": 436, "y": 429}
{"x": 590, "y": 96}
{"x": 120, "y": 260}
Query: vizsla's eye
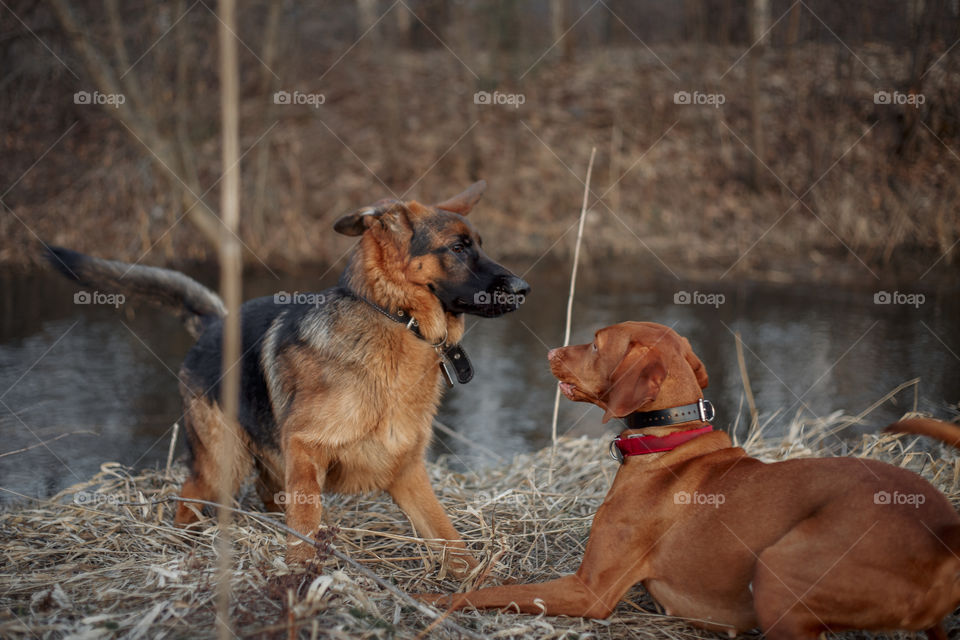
{"x": 594, "y": 345}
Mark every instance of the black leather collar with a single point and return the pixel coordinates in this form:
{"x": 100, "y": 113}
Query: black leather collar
{"x": 700, "y": 410}
{"x": 453, "y": 353}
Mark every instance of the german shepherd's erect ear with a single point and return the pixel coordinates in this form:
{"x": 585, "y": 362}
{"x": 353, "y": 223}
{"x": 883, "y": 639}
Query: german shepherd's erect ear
{"x": 464, "y": 202}
{"x": 354, "y": 224}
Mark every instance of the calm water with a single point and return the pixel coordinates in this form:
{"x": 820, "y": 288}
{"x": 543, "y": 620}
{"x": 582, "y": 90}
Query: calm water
{"x": 67, "y": 368}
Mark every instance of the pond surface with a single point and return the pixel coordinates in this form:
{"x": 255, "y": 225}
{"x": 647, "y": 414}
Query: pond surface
{"x": 107, "y": 377}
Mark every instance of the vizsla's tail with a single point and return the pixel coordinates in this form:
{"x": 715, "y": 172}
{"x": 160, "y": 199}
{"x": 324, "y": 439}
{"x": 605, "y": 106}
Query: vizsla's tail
{"x": 945, "y": 432}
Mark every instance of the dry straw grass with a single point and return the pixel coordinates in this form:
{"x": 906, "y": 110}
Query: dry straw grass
{"x": 104, "y": 569}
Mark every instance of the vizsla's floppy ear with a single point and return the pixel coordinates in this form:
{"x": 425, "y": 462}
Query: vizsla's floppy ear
{"x": 464, "y": 202}
{"x": 635, "y": 382}
{"x": 354, "y": 224}
{"x": 698, "y": 369}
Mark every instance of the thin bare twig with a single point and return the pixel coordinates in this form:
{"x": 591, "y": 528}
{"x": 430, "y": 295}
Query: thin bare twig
{"x": 173, "y": 446}
{"x": 46, "y": 442}
{"x": 573, "y": 287}
{"x": 230, "y": 285}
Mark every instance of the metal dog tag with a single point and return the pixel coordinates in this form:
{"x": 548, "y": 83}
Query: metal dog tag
{"x": 457, "y": 357}
{"x": 446, "y": 372}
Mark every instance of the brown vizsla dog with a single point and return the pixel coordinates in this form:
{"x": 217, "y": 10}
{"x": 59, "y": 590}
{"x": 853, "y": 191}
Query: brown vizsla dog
{"x": 727, "y": 541}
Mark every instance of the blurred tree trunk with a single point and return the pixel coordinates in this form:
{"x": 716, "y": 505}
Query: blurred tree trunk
{"x": 268, "y": 85}
{"x": 557, "y": 20}
{"x": 366, "y": 15}
{"x": 726, "y": 23}
{"x": 404, "y": 23}
{"x": 431, "y": 29}
{"x": 759, "y": 23}
{"x": 923, "y": 20}
{"x": 616, "y": 144}
{"x": 507, "y": 25}
{"x": 866, "y": 20}
{"x": 793, "y": 32}
{"x": 694, "y": 24}
{"x": 560, "y": 18}
{"x": 181, "y": 104}
{"x": 139, "y": 120}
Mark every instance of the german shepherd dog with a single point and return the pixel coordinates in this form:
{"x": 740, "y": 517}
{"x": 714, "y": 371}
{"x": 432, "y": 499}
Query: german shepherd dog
{"x": 339, "y": 388}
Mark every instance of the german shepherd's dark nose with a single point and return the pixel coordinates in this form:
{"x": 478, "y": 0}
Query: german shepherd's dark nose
{"x": 517, "y": 286}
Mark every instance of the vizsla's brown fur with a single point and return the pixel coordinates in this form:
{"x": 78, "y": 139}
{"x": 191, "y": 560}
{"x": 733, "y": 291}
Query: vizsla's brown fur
{"x": 731, "y": 543}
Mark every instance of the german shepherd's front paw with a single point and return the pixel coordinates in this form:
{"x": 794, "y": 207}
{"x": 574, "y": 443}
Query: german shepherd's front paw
{"x": 299, "y": 552}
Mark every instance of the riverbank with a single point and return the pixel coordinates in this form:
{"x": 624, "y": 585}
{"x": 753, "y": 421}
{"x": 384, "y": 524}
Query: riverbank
{"x": 102, "y": 560}
{"x": 839, "y": 191}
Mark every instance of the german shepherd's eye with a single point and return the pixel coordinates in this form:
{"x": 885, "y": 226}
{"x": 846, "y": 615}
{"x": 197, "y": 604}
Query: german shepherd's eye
{"x": 460, "y": 247}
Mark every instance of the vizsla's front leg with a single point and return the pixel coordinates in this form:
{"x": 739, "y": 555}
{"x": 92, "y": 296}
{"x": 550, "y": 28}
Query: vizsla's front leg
{"x": 592, "y": 592}
{"x": 305, "y": 470}
{"x": 413, "y": 494}
{"x": 566, "y": 596}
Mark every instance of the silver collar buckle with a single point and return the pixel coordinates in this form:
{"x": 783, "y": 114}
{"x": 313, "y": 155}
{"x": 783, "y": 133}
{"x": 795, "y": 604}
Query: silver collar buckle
{"x": 706, "y": 410}
{"x": 615, "y": 452}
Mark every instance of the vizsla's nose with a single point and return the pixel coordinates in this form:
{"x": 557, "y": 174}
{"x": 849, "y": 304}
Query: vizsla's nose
{"x": 553, "y": 353}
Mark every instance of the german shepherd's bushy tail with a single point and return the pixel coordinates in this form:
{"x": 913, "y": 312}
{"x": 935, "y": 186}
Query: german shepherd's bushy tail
{"x": 945, "y": 432}
{"x": 191, "y": 301}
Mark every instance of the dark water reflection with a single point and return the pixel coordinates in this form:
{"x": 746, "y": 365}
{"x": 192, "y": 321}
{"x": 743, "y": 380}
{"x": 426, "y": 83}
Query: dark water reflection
{"x": 812, "y": 349}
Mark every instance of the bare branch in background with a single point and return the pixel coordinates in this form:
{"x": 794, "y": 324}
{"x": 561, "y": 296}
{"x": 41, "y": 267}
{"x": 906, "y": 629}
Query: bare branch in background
{"x": 138, "y": 122}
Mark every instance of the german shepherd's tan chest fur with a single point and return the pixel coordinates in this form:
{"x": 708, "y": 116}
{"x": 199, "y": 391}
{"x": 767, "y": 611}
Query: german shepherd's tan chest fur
{"x": 368, "y": 405}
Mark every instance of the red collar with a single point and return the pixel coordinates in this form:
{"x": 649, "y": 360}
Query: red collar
{"x": 641, "y": 444}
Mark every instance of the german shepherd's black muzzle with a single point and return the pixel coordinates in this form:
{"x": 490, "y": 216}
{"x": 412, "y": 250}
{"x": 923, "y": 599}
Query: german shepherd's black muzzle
{"x": 490, "y": 291}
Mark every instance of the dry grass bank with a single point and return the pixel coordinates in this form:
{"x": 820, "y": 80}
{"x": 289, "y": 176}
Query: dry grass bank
{"x": 102, "y": 569}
